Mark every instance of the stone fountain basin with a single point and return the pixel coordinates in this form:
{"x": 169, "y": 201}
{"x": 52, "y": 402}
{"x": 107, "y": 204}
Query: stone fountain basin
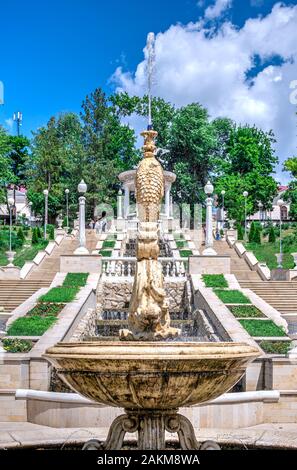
{"x": 151, "y": 375}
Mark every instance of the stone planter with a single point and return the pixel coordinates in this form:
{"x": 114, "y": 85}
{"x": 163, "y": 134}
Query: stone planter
{"x": 10, "y": 257}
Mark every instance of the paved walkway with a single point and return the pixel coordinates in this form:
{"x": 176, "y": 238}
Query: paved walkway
{"x": 262, "y": 435}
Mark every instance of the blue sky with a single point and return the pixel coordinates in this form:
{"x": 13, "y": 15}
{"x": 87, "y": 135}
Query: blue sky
{"x": 55, "y": 52}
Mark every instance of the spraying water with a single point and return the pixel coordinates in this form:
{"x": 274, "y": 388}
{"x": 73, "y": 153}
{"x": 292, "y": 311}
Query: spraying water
{"x": 150, "y": 46}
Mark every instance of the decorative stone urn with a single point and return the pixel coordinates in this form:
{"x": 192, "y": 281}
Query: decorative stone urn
{"x": 10, "y": 257}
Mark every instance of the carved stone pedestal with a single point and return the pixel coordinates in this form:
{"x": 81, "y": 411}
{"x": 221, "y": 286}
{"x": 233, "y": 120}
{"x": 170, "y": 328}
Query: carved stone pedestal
{"x": 151, "y": 426}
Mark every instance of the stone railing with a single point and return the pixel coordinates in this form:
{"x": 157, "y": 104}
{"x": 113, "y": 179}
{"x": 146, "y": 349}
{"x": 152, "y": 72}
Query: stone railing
{"x": 125, "y": 267}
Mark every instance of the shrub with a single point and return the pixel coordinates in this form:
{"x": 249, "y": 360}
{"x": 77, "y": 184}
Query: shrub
{"x": 257, "y": 235}
{"x": 64, "y": 224}
{"x": 30, "y": 325}
{"x": 214, "y": 280}
{"x": 75, "y": 279}
{"x": 240, "y": 232}
{"x": 108, "y": 244}
{"x": 38, "y": 232}
{"x": 241, "y": 311}
{"x": 262, "y": 328}
{"x": 252, "y": 232}
{"x": 185, "y": 253}
{"x": 20, "y": 235}
{"x": 276, "y": 347}
{"x": 51, "y": 233}
{"x": 59, "y": 295}
{"x": 271, "y": 235}
{"x": 232, "y": 296}
{"x": 35, "y": 239}
{"x": 15, "y": 345}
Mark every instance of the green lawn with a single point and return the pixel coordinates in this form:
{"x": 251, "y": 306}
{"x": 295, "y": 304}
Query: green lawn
{"x": 27, "y": 254}
{"x": 31, "y": 325}
{"x": 265, "y": 253}
{"x": 75, "y": 279}
{"x": 185, "y": 253}
{"x": 232, "y": 296}
{"x": 60, "y": 295}
{"x": 214, "y": 280}
{"x": 105, "y": 253}
{"x": 108, "y": 244}
{"x": 262, "y": 328}
{"x": 181, "y": 244}
{"x": 242, "y": 311}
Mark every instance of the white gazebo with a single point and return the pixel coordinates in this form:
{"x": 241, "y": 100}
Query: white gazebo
{"x": 128, "y": 180}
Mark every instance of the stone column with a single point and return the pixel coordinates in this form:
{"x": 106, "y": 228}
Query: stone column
{"x": 82, "y": 250}
{"x": 120, "y": 205}
{"x": 208, "y": 235}
{"x": 126, "y": 201}
{"x": 167, "y": 201}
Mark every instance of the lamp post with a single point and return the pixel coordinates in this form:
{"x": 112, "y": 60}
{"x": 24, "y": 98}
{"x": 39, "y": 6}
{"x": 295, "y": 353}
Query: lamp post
{"x": 10, "y": 253}
{"x": 82, "y": 250}
{"x": 280, "y": 202}
{"x": 208, "y": 189}
{"x": 67, "y": 207}
{"x": 245, "y": 195}
{"x": 223, "y": 192}
{"x": 45, "y": 192}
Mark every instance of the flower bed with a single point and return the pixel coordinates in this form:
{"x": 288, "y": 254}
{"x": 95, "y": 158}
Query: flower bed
{"x": 15, "y": 345}
{"x": 275, "y": 347}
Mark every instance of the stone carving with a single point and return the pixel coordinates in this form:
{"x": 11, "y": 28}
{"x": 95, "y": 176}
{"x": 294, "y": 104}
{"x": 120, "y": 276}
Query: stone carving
{"x": 149, "y": 318}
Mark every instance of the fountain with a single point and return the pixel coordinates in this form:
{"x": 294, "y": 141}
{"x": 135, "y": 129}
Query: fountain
{"x": 149, "y": 372}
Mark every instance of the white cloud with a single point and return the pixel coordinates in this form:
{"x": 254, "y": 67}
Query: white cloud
{"x": 193, "y": 65}
{"x": 9, "y": 124}
{"x": 216, "y": 10}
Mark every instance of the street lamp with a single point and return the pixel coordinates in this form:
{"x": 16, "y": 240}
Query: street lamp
{"x": 280, "y": 203}
{"x": 82, "y": 250}
{"x": 10, "y": 253}
{"x": 223, "y": 192}
{"x": 208, "y": 189}
{"x": 67, "y": 207}
{"x": 245, "y": 195}
{"x": 45, "y": 192}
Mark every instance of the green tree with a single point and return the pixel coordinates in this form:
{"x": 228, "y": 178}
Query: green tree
{"x": 257, "y": 235}
{"x": 6, "y": 173}
{"x": 35, "y": 239}
{"x": 271, "y": 235}
{"x": 20, "y": 235}
{"x": 191, "y": 144}
{"x": 240, "y": 232}
{"x": 252, "y": 233}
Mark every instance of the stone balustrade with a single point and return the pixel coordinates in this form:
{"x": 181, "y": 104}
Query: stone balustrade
{"x": 125, "y": 267}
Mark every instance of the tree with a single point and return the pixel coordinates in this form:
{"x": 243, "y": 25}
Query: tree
{"x": 240, "y": 232}
{"x": 252, "y": 233}
{"x": 6, "y": 173}
{"x": 35, "y": 239}
{"x": 20, "y": 235}
{"x": 257, "y": 235}
{"x": 271, "y": 235}
{"x": 109, "y": 148}
{"x": 250, "y": 160}
{"x": 191, "y": 144}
